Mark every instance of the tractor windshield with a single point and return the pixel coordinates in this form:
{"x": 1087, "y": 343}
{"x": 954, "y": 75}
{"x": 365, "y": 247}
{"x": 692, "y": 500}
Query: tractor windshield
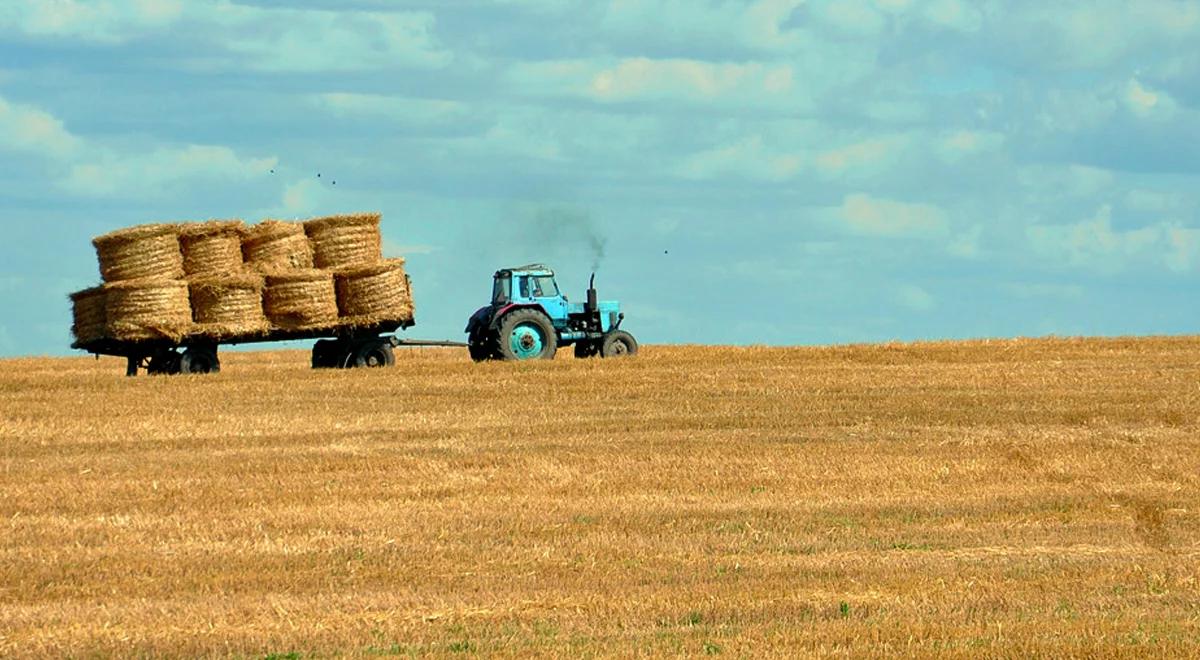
{"x": 544, "y": 287}
{"x": 501, "y": 290}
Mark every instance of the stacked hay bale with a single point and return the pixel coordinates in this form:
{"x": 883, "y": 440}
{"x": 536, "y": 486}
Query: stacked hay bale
{"x": 370, "y": 289}
{"x": 221, "y": 279}
{"x": 226, "y": 299}
{"x": 142, "y": 296}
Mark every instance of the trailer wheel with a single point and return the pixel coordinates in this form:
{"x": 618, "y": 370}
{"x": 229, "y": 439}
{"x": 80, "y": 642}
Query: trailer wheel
{"x": 617, "y": 344}
{"x": 163, "y": 362}
{"x": 327, "y": 354}
{"x": 527, "y": 334}
{"x": 373, "y": 353}
{"x": 199, "y": 360}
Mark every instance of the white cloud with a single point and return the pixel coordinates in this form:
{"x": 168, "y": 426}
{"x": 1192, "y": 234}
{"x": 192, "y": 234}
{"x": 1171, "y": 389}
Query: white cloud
{"x": 89, "y": 168}
{"x": 311, "y": 40}
{"x": 749, "y": 158}
{"x": 401, "y": 109}
{"x": 1146, "y": 102}
{"x": 1094, "y": 243}
{"x": 683, "y": 80}
{"x": 104, "y": 21}
{"x": 915, "y": 298}
{"x": 872, "y": 216}
{"x": 270, "y": 39}
{"x": 109, "y": 173}
{"x": 955, "y": 145}
{"x": 868, "y": 156}
{"x": 28, "y": 129}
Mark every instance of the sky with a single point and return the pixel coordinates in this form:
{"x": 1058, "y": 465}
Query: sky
{"x": 772, "y": 171}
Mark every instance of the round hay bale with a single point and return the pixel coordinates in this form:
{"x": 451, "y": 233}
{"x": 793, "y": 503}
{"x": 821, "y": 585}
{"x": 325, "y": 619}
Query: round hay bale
{"x": 372, "y": 294}
{"x": 140, "y": 252}
{"x": 273, "y": 245}
{"x": 213, "y": 248}
{"x": 300, "y": 299}
{"x": 230, "y": 306}
{"x": 148, "y": 309}
{"x": 345, "y": 241}
{"x": 88, "y": 307}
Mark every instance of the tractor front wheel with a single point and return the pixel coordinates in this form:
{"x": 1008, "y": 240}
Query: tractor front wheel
{"x": 617, "y": 344}
{"x": 526, "y": 334}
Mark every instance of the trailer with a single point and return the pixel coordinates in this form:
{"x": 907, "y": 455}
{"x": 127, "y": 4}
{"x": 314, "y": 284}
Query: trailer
{"x": 337, "y": 347}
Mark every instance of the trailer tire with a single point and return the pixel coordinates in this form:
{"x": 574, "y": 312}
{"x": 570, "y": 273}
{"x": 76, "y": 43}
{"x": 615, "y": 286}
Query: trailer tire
{"x": 327, "y": 354}
{"x": 165, "y": 362}
{"x": 526, "y": 334}
{"x": 373, "y": 353}
{"x": 199, "y": 360}
{"x": 618, "y": 343}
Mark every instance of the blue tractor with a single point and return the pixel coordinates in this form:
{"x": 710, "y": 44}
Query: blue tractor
{"x": 529, "y": 319}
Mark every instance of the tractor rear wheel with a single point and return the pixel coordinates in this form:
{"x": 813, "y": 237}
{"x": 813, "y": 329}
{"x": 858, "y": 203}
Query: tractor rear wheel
{"x": 527, "y": 334}
{"x": 199, "y": 360}
{"x": 617, "y": 344}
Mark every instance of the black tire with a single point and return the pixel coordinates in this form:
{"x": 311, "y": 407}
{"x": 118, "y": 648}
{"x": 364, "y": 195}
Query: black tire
{"x": 618, "y": 343}
{"x": 524, "y": 322}
{"x": 199, "y": 360}
{"x": 327, "y": 354}
{"x": 586, "y": 348}
{"x": 481, "y": 348}
{"x": 373, "y": 353}
{"x": 164, "y": 363}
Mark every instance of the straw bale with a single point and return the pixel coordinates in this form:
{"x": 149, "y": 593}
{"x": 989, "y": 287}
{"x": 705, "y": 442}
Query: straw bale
{"x": 140, "y": 252}
{"x": 212, "y": 248}
{"x": 274, "y": 245}
{"x": 88, "y": 307}
{"x": 230, "y": 306}
{"x": 148, "y": 308}
{"x": 301, "y": 299}
{"x": 345, "y": 241}
{"x": 372, "y": 294}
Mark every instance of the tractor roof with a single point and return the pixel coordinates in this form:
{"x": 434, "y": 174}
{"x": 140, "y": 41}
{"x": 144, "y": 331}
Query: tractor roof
{"x": 529, "y": 269}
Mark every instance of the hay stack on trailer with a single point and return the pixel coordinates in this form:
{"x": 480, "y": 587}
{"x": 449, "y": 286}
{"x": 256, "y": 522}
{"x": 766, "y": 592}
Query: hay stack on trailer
{"x": 212, "y": 249}
{"x": 301, "y": 299}
{"x": 345, "y": 241}
{"x": 88, "y": 310}
{"x": 272, "y": 245}
{"x": 144, "y": 251}
{"x": 149, "y": 308}
{"x": 373, "y": 293}
{"x": 228, "y": 306}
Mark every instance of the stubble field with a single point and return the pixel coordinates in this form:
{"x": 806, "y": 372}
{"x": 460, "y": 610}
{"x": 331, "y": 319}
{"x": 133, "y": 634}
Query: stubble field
{"x": 977, "y": 498}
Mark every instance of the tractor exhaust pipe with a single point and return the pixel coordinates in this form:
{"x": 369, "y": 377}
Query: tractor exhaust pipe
{"x": 593, "y": 304}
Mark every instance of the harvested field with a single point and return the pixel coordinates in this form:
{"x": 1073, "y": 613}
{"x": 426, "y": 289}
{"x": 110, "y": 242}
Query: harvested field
{"x": 1001, "y": 498}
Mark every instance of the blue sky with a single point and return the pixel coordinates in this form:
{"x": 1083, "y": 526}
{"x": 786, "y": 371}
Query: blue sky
{"x": 772, "y": 171}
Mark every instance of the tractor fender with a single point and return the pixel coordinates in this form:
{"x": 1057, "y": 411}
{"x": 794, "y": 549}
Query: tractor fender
{"x": 481, "y": 318}
{"x": 499, "y": 315}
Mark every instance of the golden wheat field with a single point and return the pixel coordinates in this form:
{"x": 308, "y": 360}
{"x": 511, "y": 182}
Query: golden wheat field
{"x": 996, "y": 498}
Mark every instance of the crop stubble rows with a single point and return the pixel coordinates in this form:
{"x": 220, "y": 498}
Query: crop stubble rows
{"x": 954, "y": 498}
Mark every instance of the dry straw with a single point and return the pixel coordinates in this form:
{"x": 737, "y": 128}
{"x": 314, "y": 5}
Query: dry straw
{"x": 230, "y": 306}
{"x": 345, "y": 241}
{"x": 212, "y": 248}
{"x": 301, "y": 299}
{"x": 90, "y": 316}
{"x": 140, "y": 252}
{"x": 148, "y": 309}
{"x": 373, "y": 294}
{"x": 273, "y": 245}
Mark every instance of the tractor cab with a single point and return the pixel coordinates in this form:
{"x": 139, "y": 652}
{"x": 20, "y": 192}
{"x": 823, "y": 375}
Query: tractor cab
{"x": 529, "y": 317}
{"x": 533, "y": 284}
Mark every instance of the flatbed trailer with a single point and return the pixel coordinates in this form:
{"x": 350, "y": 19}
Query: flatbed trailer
{"x": 337, "y": 347}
